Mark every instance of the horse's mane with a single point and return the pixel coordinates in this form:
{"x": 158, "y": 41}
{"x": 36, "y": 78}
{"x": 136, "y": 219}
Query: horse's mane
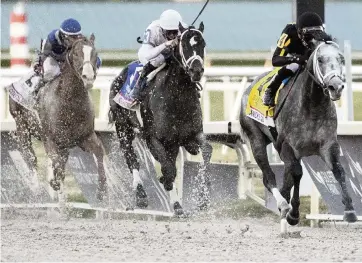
{"x": 322, "y": 36}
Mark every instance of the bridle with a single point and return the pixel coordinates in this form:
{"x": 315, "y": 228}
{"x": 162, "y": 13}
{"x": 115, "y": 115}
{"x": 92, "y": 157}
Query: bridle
{"x": 70, "y": 53}
{"x": 317, "y": 75}
{"x": 185, "y": 64}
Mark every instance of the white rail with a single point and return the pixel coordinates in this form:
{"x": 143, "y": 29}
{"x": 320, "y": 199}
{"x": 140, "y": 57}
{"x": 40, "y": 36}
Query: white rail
{"x": 231, "y": 81}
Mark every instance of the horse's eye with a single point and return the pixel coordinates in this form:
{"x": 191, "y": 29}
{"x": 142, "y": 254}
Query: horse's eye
{"x": 320, "y": 60}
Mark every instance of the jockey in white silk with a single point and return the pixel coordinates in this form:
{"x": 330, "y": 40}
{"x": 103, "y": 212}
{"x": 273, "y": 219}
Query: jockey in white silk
{"x": 158, "y": 40}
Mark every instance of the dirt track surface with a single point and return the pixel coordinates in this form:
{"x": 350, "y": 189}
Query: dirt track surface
{"x": 135, "y": 240}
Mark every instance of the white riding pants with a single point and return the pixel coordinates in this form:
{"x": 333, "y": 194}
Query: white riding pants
{"x": 293, "y": 67}
{"x": 51, "y": 69}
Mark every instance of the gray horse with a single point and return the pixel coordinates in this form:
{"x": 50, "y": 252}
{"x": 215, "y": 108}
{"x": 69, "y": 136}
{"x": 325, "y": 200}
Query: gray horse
{"x": 306, "y": 125}
{"x": 66, "y": 112}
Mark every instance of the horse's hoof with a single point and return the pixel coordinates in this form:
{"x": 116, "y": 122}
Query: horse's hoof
{"x": 284, "y": 209}
{"x": 350, "y": 216}
{"x": 291, "y": 219}
{"x": 204, "y": 206}
{"x": 178, "y": 209}
{"x": 141, "y": 197}
{"x": 167, "y": 185}
{"x": 204, "y": 203}
{"x": 55, "y": 184}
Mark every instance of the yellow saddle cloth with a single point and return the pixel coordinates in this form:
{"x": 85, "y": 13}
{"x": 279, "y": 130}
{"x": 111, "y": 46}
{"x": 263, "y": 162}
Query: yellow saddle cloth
{"x": 255, "y": 107}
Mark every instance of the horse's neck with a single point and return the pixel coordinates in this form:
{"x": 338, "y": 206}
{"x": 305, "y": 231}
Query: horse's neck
{"x": 71, "y": 84}
{"x": 178, "y": 74}
{"x": 312, "y": 97}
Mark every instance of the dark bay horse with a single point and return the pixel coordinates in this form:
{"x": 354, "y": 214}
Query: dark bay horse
{"x": 171, "y": 114}
{"x": 66, "y": 112}
{"x": 306, "y": 125}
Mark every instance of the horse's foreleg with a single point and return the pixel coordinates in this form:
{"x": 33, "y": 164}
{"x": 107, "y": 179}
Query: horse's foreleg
{"x": 94, "y": 145}
{"x": 292, "y": 175}
{"x": 331, "y": 156}
{"x": 167, "y": 158}
{"x": 206, "y": 150}
{"x": 258, "y": 146}
{"x": 126, "y": 136}
{"x": 59, "y": 158}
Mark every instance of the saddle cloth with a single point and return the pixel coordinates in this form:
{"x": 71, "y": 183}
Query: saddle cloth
{"x": 255, "y": 108}
{"x": 124, "y": 97}
{"x": 22, "y": 90}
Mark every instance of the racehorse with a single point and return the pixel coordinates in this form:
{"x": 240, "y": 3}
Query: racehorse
{"x": 306, "y": 125}
{"x": 66, "y": 112}
{"x": 171, "y": 114}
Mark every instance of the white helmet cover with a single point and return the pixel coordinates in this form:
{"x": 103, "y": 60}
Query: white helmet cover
{"x": 170, "y": 19}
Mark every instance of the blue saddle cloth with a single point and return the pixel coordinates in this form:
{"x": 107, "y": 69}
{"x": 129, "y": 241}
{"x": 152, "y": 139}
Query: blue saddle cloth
{"x": 133, "y": 74}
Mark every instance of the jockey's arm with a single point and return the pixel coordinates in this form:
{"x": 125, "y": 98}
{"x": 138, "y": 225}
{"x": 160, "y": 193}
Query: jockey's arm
{"x": 280, "y": 57}
{"x": 44, "y": 53}
{"x": 148, "y": 52}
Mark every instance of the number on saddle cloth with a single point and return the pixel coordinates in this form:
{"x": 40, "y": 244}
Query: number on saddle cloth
{"x": 133, "y": 74}
{"x": 22, "y": 90}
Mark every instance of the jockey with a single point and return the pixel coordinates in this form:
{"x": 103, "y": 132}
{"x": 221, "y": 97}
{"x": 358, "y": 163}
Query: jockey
{"x": 159, "y": 39}
{"x": 295, "y": 40}
{"x": 54, "y": 50}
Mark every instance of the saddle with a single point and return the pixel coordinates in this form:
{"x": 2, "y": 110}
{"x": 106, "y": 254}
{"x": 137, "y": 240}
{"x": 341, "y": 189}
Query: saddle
{"x": 22, "y": 91}
{"x": 124, "y": 97}
{"x": 255, "y": 108}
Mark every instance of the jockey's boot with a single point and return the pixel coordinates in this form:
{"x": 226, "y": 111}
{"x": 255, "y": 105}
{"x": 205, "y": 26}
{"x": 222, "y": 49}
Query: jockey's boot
{"x": 40, "y": 84}
{"x": 269, "y": 95}
{"x": 141, "y": 84}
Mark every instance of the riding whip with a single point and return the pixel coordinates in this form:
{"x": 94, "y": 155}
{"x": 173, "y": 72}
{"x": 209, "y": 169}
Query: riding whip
{"x": 207, "y": 1}
{"x": 202, "y": 10}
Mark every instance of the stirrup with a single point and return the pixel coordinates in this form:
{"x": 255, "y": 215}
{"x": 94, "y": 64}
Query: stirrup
{"x": 135, "y": 102}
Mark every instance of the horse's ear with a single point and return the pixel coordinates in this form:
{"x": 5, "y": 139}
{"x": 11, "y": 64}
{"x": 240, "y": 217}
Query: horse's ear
{"x": 201, "y": 27}
{"x": 92, "y": 38}
{"x": 181, "y": 27}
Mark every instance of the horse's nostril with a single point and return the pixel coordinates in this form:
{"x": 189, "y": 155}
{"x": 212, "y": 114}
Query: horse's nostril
{"x": 341, "y": 87}
{"x": 84, "y": 76}
{"x": 330, "y": 87}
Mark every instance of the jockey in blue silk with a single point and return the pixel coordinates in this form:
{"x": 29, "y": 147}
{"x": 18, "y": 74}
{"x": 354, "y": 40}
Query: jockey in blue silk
{"x": 159, "y": 39}
{"x": 54, "y": 50}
